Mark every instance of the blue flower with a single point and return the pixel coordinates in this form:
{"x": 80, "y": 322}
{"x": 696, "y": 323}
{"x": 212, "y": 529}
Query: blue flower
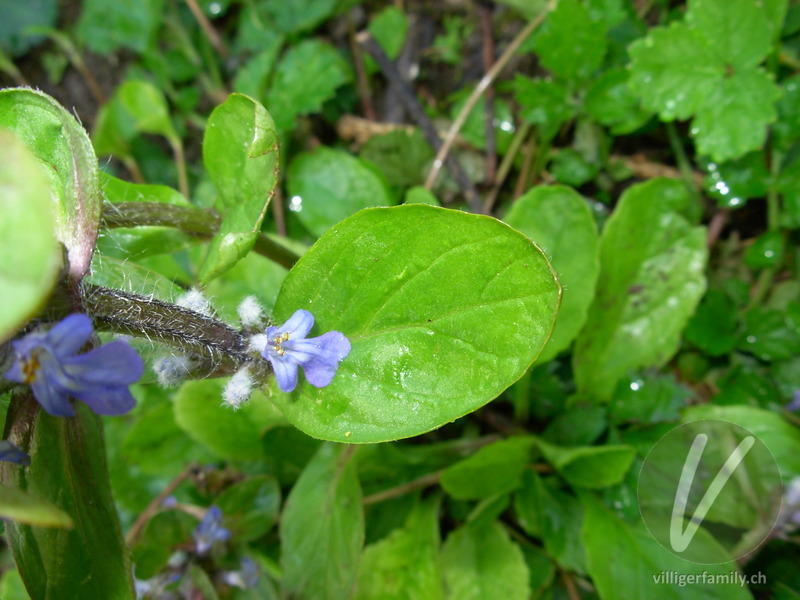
{"x": 246, "y": 578}
{"x": 287, "y": 348}
{"x": 210, "y": 530}
{"x": 50, "y": 364}
{"x": 11, "y": 453}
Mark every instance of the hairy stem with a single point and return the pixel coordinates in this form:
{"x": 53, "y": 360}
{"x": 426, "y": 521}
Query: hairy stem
{"x": 190, "y": 220}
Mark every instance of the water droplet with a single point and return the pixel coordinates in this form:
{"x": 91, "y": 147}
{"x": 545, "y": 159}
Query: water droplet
{"x": 751, "y": 339}
{"x": 215, "y": 8}
{"x": 296, "y": 204}
{"x": 636, "y": 385}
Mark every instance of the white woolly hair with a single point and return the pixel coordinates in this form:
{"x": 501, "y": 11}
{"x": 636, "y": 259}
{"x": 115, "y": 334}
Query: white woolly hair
{"x": 196, "y": 301}
{"x": 238, "y": 389}
{"x": 258, "y": 342}
{"x": 250, "y": 312}
{"x": 172, "y": 370}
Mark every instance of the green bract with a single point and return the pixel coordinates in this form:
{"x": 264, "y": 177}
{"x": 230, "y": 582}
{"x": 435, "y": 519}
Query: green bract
{"x": 435, "y": 333}
{"x": 57, "y": 139}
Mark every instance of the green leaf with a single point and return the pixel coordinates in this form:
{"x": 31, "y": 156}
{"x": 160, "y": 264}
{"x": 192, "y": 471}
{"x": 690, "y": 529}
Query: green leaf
{"x": 734, "y": 182}
{"x": 652, "y": 263}
{"x": 22, "y": 507}
{"x": 589, "y": 466}
{"x": 403, "y": 157}
{"x": 771, "y": 334}
{"x": 766, "y": 251}
{"x": 145, "y": 108}
{"x": 389, "y": 28}
{"x": 480, "y": 562}
{"x": 298, "y": 16}
{"x": 546, "y": 512}
{"x": 240, "y": 153}
{"x": 544, "y": 103}
{"x": 106, "y": 25}
{"x": 162, "y": 534}
{"x": 420, "y": 195}
{"x": 494, "y": 469}
{"x": 649, "y": 399}
{"x": 229, "y": 434}
{"x": 435, "y": 334}
{"x": 405, "y": 565}
{"x": 291, "y": 95}
{"x": 18, "y": 17}
{"x": 707, "y": 67}
{"x": 68, "y": 469}
{"x": 250, "y": 507}
{"x": 713, "y": 327}
{"x": 570, "y": 44}
{"x": 560, "y": 222}
{"x": 610, "y": 102}
{"x": 118, "y": 190}
{"x": 29, "y": 257}
{"x": 329, "y": 185}
{"x": 322, "y": 528}
{"x": 56, "y": 138}
{"x": 625, "y": 561}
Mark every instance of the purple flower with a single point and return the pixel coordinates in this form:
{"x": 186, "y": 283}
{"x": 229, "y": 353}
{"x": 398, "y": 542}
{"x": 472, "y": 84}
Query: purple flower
{"x": 11, "y": 453}
{"x": 50, "y": 364}
{"x": 246, "y": 578}
{"x": 210, "y": 530}
{"x": 287, "y": 348}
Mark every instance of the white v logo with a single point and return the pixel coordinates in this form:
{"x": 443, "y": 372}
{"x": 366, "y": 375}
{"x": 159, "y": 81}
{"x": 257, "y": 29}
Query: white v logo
{"x": 678, "y": 538}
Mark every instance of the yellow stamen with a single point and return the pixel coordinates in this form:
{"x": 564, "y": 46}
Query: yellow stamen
{"x": 30, "y": 368}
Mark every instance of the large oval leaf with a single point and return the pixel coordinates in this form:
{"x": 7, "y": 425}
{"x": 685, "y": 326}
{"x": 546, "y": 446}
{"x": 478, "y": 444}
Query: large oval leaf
{"x": 559, "y": 220}
{"x": 652, "y": 263}
{"x": 29, "y": 256}
{"x": 57, "y": 139}
{"x": 444, "y": 310}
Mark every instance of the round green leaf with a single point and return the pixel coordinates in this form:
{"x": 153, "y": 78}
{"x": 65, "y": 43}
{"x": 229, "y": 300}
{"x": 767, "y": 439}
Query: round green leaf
{"x": 559, "y": 220}
{"x": 328, "y": 185}
{"x": 29, "y": 258}
{"x": 444, "y": 311}
{"x": 57, "y": 139}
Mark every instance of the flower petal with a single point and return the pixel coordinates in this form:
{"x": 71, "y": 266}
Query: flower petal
{"x": 285, "y": 373}
{"x": 298, "y": 325}
{"x": 52, "y": 397}
{"x": 69, "y": 335}
{"x": 112, "y": 400}
{"x": 11, "y": 453}
{"x": 15, "y": 372}
{"x": 115, "y": 363}
{"x": 319, "y": 374}
{"x": 329, "y": 348}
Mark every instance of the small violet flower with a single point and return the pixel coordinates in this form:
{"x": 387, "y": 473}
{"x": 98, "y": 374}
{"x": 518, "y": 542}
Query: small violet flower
{"x": 11, "y": 453}
{"x": 49, "y": 362}
{"x": 209, "y": 531}
{"x": 287, "y": 348}
{"x": 246, "y": 578}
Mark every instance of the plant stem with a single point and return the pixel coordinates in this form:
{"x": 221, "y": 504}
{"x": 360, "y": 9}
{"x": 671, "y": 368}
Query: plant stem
{"x": 477, "y": 92}
{"x": 684, "y": 166}
{"x": 221, "y": 349}
{"x": 136, "y": 530}
{"x": 189, "y": 219}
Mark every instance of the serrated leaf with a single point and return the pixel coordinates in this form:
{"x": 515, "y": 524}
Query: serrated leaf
{"x": 610, "y": 102}
{"x": 291, "y": 95}
{"x": 435, "y": 333}
{"x": 240, "y": 153}
{"x": 545, "y": 103}
{"x": 570, "y": 44}
{"x": 560, "y": 222}
{"x": 322, "y": 528}
{"x": 68, "y": 469}
{"x": 480, "y": 562}
{"x": 29, "y": 256}
{"x": 329, "y": 185}
{"x": 405, "y": 565}
{"x": 652, "y": 263}
{"x": 56, "y": 138}
{"x": 738, "y": 31}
